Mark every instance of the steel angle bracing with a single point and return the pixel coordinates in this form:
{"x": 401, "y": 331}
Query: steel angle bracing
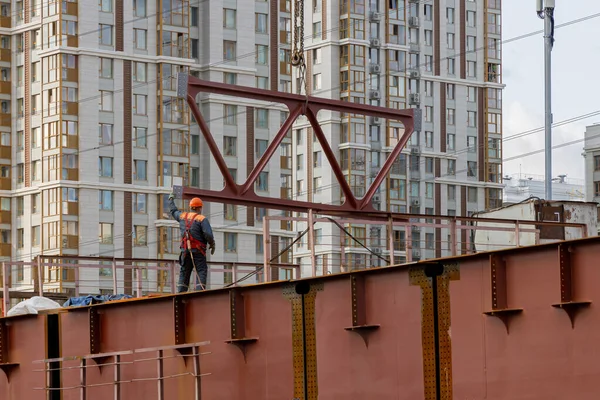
{"x": 189, "y": 87}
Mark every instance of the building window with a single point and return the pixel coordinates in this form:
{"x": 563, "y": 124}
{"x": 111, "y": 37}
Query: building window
{"x": 450, "y": 15}
{"x": 262, "y": 118}
{"x": 450, "y": 40}
{"x": 262, "y": 53}
{"x": 139, "y": 170}
{"x": 450, "y": 116}
{"x": 596, "y": 189}
{"x": 105, "y": 5}
{"x": 229, "y": 18}
{"x": 140, "y": 235}
{"x": 105, "y": 101}
{"x": 139, "y": 104}
{"x": 471, "y": 18}
{"x": 451, "y": 167}
{"x": 230, "y": 114}
{"x": 229, "y": 50}
{"x": 105, "y": 134}
{"x": 472, "y": 119}
{"x": 139, "y": 71}
{"x": 106, "y": 233}
{"x": 139, "y": 39}
{"x": 139, "y": 8}
{"x": 262, "y": 183}
{"x": 596, "y": 163}
{"x": 261, "y": 23}
{"x": 105, "y": 200}
{"x": 472, "y": 144}
{"x": 105, "y": 34}
{"x": 105, "y": 167}
{"x": 230, "y": 212}
{"x": 230, "y": 242}
{"x": 139, "y": 137}
{"x": 471, "y": 168}
{"x": 229, "y": 78}
{"x": 229, "y": 146}
{"x": 139, "y": 203}
{"x": 106, "y": 68}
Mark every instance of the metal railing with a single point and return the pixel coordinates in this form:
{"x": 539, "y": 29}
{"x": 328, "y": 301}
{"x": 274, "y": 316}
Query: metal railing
{"x": 61, "y": 277}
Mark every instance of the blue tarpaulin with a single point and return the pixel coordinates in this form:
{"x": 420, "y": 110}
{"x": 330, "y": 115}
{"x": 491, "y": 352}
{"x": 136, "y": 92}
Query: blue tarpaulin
{"x": 87, "y": 300}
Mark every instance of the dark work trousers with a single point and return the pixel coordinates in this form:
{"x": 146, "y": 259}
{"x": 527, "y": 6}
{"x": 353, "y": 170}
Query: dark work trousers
{"x": 187, "y": 267}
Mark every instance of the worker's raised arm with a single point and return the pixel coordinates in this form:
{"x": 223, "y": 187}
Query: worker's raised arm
{"x": 173, "y": 208}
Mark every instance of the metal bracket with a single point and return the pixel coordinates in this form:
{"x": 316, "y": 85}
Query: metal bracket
{"x": 499, "y": 295}
{"x": 237, "y": 312}
{"x": 567, "y": 289}
{"x": 359, "y": 309}
{"x": 244, "y": 194}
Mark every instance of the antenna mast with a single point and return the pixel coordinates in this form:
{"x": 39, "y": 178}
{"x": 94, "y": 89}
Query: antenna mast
{"x": 545, "y": 10}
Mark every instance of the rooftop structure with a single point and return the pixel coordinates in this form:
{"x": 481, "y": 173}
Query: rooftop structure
{"x": 519, "y": 187}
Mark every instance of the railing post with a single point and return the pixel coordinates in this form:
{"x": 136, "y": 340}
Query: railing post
{"x": 453, "y": 241}
{"x": 77, "y": 281}
{"x": 234, "y": 272}
{"x": 311, "y": 242}
{"x": 266, "y": 252}
{"x": 40, "y": 276}
{"x": 5, "y": 291}
{"x": 409, "y": 244}
{"x": 517, "y": 234}
{"x": 138, "y": 272}
{"x": 391, "y": 239}
{"x": 173, "y": 284}
{"x": 114, "y": 277}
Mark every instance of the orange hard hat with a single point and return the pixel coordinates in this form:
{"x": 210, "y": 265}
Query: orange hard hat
{"x": 196, "y": 202}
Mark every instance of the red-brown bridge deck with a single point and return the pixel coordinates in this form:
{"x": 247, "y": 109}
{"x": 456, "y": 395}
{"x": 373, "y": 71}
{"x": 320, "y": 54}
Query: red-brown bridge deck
{"x": 495, "y": 327}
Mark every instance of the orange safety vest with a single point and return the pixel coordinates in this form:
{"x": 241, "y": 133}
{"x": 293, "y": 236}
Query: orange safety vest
{"x": 190, "y": 218}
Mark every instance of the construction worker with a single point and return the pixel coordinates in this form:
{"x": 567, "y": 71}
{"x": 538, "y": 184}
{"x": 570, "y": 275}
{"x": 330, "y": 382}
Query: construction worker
{"x": 196, "y": 233}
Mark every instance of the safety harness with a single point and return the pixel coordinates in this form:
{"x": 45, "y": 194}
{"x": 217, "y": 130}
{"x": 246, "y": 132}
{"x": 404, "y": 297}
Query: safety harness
{"x": 187, "y": 240}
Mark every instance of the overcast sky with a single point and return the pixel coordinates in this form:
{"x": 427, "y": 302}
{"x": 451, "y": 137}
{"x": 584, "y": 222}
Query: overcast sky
{"x": 575, "y": 82}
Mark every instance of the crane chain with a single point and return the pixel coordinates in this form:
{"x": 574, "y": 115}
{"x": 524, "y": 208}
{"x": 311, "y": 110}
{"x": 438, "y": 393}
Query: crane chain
{"x": 298, "y": 53}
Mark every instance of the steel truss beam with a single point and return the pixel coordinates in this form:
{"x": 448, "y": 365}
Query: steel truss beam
{"x": 189, "y": 87}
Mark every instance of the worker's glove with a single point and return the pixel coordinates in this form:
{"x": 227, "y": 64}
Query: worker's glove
{"x": 171, "y": 196}
{"x": 212, "y": 249}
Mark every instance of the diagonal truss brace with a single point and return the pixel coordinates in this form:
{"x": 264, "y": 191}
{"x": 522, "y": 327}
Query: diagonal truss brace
{"x": 189, "y": 87}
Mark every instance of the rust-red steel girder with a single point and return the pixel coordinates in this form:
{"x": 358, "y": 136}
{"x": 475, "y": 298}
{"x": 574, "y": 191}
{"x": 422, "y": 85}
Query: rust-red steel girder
{"x": 189, "y": 87}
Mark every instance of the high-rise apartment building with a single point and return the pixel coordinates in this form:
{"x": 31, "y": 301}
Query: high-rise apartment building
{"x": 443, "y": 56}
{"x": 92, "y": 133}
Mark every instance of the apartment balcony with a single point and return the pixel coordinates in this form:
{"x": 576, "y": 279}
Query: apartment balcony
{"x": 5, "y": 250}
{"x": 5, "y": 183}
{"x": 70, "y": 8}
{"x": 285, "y": 193}
{"x": 70, "y": 75}
{"x": 5, "y": 119}
{"x": 5, "y": 87}
{"x": 70, "y": 108}
{"x": 5, "y": 217}
{"x": 70, "y": 208}
{"x": 70, "y": 174}
{"x": 71, "y": 40}
{"x": 71, "y": 141}
{"x": 70, "y": 242}
{"x": 285, "y": 162}
{"x": 5, "y": 152}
